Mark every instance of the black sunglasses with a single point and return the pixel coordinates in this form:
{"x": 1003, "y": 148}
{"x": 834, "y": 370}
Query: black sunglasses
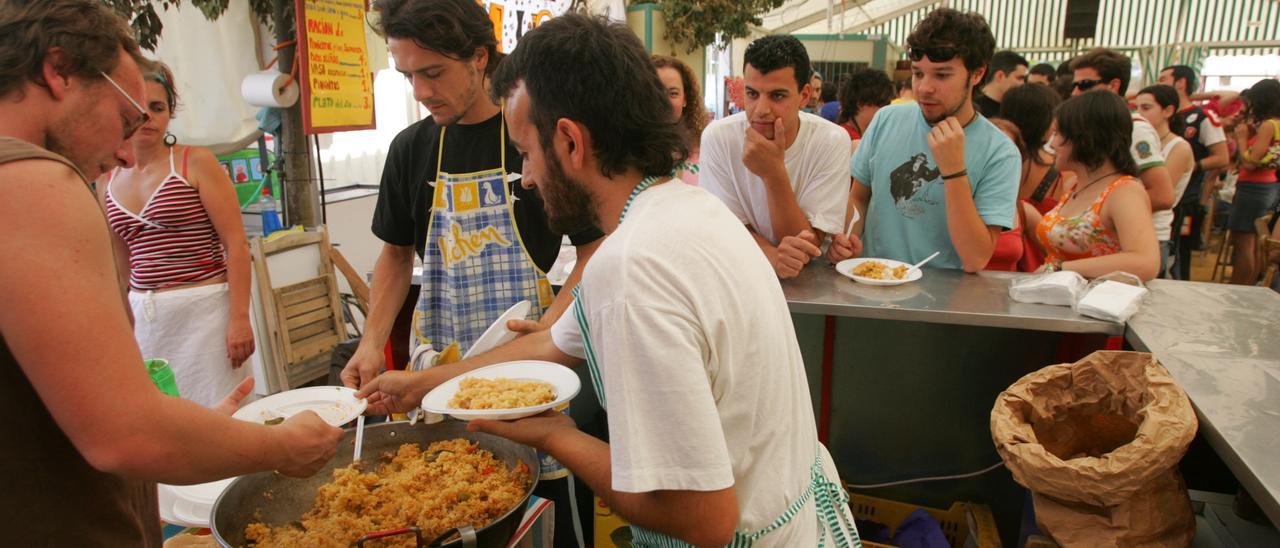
{"x": 1085, "y": 85}
{"x": 939, "y": 54}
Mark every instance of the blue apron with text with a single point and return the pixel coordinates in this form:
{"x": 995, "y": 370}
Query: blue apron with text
{"x": 474, "y": 265}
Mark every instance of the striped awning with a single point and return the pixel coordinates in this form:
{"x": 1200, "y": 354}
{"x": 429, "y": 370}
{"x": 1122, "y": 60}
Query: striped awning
{"x": 1155, "y": 32}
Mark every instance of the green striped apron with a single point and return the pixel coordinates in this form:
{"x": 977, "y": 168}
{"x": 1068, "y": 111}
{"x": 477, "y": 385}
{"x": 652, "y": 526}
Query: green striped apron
{"x": 831, "y": 499}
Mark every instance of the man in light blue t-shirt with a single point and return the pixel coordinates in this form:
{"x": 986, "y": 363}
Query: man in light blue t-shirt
{"x": 935, "y": 175}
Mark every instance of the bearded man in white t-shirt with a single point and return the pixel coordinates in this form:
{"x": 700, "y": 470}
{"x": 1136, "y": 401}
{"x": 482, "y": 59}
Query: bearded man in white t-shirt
{"x": 784, "y": 173}
{"x": 711, "y": 427}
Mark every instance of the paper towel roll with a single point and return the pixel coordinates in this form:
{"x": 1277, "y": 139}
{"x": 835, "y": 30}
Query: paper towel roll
{"x": 267, "y": 89}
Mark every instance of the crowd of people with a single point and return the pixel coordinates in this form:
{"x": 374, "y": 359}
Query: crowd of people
{"x": 990, "y": 162}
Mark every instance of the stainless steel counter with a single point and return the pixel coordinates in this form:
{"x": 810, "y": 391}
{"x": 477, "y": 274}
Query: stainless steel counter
{"x": 1222, "y": 344}
{"x": 941, "y": 296}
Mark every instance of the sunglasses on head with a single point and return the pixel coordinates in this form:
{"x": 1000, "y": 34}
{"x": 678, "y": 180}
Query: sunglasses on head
{"x": 1085, "y": 85}
{"x": 940, "y": 54}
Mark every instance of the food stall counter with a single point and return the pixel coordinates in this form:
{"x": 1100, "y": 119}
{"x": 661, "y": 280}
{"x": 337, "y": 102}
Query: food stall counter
{"x": 940, "y": 296}
{"x": 1222, "y": 344}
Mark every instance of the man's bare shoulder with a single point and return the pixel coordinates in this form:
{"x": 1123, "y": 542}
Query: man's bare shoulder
{"x": 39, "y": 175}
{"x": 43, "y": 191}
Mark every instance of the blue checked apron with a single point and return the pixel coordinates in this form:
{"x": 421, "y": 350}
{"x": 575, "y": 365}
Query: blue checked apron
{"x": 475, "y": 265}
{"x": 831, "y": 500}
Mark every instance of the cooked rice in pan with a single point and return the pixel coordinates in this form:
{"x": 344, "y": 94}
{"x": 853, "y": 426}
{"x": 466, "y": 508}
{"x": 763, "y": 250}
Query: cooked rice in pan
{"x": 501, "y": 393}
{"x": 450, "y": 484}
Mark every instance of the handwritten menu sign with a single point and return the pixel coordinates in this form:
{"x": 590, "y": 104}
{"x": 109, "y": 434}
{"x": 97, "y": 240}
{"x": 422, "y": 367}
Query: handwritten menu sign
{"x": 337, "y": 87}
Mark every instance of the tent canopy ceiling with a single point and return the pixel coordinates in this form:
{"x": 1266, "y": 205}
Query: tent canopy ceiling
{"x": 1034, "y": 27}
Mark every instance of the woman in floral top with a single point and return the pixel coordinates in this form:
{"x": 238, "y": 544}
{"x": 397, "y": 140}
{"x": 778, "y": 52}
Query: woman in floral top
{"x": 1104, "y": 224}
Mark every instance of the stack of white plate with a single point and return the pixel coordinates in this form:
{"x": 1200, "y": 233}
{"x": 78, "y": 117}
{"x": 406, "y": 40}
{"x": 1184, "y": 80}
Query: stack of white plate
{"x": 190, "y": 505}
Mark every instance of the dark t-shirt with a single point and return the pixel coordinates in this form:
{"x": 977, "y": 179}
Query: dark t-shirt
{"x": 987, "y": 106}
{"x": 1191, "y": 118}
{"x": 404, "y": 199}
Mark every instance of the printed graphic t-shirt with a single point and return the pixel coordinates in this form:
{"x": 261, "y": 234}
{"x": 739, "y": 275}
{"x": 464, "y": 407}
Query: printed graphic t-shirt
{"x": 404, "y": 197}
{"x": 907, "y": 216}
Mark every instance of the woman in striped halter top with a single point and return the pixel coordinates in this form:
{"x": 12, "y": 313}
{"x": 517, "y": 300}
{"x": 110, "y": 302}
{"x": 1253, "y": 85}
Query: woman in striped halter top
{"x": 176, "y": 218}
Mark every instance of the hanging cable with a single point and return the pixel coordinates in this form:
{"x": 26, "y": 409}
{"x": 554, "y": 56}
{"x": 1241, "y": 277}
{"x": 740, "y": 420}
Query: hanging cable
{"x": 926, "y": 479}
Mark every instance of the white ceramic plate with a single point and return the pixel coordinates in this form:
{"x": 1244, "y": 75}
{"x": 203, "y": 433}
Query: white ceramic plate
{"x": 497, "y": 334}
{"x": 192, "y": 513}
{"x": 201, "y": 493}
{"x": 178, "y": 511}
{"x": 846, "y": 267}
{"x": 563, "y": 380}
{"x": 337, "y": 405}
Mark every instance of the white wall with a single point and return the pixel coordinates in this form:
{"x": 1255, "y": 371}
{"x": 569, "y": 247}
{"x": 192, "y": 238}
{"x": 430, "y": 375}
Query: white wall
{"x": 349, "y": 230}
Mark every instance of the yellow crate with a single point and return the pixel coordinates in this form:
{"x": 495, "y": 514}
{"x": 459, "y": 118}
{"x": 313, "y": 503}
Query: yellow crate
{"x": 611, "y": 530}
{"x": 955, "y": 525}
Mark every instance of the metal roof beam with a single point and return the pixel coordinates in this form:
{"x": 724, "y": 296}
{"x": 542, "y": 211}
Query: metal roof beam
{"x": 820, "y": 15}
{"x": 893, "y": 12}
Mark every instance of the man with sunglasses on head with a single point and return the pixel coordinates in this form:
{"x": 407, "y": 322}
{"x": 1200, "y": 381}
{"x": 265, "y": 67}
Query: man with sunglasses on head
{"x": 89, "y": 432}
{"x": 1107, "y": 70}
{"x": 935, "y": 175}
{"x": 779, "y": 170}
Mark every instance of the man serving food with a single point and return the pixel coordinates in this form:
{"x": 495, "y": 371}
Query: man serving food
{"x": 711, "y": 426}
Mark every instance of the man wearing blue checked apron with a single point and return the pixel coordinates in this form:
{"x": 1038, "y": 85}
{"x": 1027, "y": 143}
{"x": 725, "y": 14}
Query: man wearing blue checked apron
{"x": 679, "y": 318}
{"x": 451, "y": 192}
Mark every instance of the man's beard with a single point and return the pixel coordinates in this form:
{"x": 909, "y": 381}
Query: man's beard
{"x": 952, "y": 112}
{"x": 566, "y": 200}
{"x": 55, "y": 144}
{"x": 469, "y": 96}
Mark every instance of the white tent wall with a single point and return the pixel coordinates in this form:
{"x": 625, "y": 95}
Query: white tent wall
{"x": 209, "y": 58}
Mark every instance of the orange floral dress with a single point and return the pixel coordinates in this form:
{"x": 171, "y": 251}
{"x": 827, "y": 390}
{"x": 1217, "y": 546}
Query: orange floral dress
{"x": 1082, "y": 236}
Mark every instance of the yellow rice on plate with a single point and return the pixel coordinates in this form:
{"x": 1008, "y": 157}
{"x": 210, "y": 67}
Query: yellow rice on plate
{"x": 879, "y": 271}
{"x": 450, "y": 484}
{"x": 501, "y": 393}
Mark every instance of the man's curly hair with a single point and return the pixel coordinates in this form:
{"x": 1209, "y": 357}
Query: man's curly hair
{"x": 779, "y": 51}
{"x": 968, "y": 33}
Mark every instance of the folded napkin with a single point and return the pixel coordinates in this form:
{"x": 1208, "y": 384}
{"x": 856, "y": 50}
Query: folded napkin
{"x": 1059, "y": 288}
{"x": 1111, "y": 301}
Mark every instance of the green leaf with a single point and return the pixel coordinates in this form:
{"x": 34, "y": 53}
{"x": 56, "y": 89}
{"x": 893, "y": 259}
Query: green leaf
{"x": 700, "y": 23}
{"x": 147, "y": 27}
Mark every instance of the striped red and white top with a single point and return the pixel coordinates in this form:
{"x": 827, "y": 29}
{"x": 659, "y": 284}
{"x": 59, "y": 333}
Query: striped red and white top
{"x": 171, "y": 241}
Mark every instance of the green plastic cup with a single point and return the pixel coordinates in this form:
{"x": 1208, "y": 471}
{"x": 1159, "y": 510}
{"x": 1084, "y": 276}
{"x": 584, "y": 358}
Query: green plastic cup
{"x": 162, "y": 376}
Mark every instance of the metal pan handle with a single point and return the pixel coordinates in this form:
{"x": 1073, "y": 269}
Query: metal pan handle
{"x": 467, "y": 532}
{"x": 417, "y": 534}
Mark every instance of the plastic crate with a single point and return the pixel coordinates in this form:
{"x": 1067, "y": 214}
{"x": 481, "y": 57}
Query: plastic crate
{"x": 954, "y": 521}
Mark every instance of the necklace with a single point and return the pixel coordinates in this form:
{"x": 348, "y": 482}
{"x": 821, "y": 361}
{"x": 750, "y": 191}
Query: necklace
{"x": 1077, "y": 191}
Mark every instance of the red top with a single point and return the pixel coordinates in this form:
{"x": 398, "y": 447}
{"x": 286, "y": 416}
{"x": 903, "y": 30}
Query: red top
{"x": 853, "y": 133}
{"x": 1215, "y": 105}
{"x": 1261, "y": 174}
{"x": 171, "y": 240}
{"x": 1008, "y": 251}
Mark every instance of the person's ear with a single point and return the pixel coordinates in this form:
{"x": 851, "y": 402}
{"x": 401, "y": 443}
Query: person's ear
{"x": 977, "y": 75}
{"x": 51, "y": 71}
{"x": 571, "y": 141}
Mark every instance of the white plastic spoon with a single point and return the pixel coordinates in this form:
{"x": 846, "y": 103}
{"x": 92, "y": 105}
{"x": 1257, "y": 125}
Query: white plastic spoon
{"x": 917, "y": 266}
{"x": 359, "y": 437}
